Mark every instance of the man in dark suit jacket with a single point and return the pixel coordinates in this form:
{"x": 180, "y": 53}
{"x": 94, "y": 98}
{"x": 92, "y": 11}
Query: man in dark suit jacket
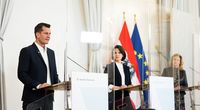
{"x": 37, "y": 69}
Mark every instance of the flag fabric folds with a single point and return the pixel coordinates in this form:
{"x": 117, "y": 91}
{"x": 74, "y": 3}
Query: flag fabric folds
{"x": 127, "y": 45}
{"x": 141, "y": 61}
{"x": 136, "y": 56}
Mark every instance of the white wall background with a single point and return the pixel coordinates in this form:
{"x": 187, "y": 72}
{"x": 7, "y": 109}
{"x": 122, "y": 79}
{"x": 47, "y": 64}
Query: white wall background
{"x": 196, "y": 69}
{"x": 75, "y": 49}
{"x": 66, "y": 22}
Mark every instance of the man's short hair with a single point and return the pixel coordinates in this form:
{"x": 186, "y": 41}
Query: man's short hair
{"x": 38, "y": 27}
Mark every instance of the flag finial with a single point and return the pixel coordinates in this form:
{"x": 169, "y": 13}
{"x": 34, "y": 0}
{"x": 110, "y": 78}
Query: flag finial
{"x": 135, "y": 18}
{"x": 124, "y": 16}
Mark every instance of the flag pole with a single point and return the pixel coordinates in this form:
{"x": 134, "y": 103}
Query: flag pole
{"x": 140, "y": 92}
{"x": 149, "y": 50}
{"x": 124, "y": 17}
{"x": 135, "y": 18}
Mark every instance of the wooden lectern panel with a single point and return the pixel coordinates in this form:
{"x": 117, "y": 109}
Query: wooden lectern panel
{"x": 197, "y": 87}
{"x": 66, "y": 85}
{"x": 136, "y": 87}
{"x": 194, "y": 87}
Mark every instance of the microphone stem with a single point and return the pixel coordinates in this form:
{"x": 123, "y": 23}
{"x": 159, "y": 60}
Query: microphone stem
{"x": 77, "y": 64}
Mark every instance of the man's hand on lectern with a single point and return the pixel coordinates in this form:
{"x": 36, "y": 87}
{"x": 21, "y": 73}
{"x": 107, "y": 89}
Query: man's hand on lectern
{"x": 43, "y": 85}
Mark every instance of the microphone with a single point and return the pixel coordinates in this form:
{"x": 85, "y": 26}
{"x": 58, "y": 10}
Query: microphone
{"x": 66, "y": 57}
{"x": 161, "y": 53}
{"x": 194, "y": 70}
{"x": 156, "y": 72}
{"x": 77, "y": 64}
{"x": 192, "y": 101}
{"x": 67, "y": 93}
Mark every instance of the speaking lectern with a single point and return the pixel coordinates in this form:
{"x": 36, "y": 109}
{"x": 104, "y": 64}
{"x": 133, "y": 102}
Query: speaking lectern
{"x": 139, "y": 88}
{"x": 88, "y": 91}
{"x": 125, "y": 103}
{"x": 66, "y": 85}
{"x": 161, "y": 91}
{"x": 136, "y": 87}
{"x": 44, "y": 101}
{"x": 39, "y": 104}
{"x": 191, "y": 89}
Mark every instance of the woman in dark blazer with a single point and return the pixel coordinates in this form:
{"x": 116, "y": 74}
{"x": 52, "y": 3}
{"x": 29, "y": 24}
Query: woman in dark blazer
{"x": 119, "y": 77}
{"x": 180, "y": 80}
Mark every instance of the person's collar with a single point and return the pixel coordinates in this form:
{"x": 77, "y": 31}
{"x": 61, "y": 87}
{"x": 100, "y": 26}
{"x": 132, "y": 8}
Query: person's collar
{"x": 118, "y": 62}
{"x": 41, "y": 49}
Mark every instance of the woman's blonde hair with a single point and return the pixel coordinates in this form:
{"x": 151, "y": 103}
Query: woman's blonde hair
{"x": 181, "y": 60}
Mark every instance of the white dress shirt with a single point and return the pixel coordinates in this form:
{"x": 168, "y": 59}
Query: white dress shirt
{"x": 43, "y": 52}
{"x": 121, "y": 71}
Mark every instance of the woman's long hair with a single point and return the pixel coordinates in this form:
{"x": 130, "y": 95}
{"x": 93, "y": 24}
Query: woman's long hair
{"x": 181, "y": 61}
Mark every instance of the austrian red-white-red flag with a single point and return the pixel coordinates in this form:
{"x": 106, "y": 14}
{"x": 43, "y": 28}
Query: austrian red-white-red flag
{"x": 126, "y": 43}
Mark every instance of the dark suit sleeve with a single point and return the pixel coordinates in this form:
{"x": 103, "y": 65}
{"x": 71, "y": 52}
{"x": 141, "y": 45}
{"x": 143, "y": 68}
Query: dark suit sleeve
{"x": 56, "y": 79}
{"x": 109, "y": 72}
{"x": 106, "y": 69}
{"x": 164, "y": 73}
{"x": 184, "y": 83}
{"x": 23, "y": 69}
{"x": 128, "y": 75}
